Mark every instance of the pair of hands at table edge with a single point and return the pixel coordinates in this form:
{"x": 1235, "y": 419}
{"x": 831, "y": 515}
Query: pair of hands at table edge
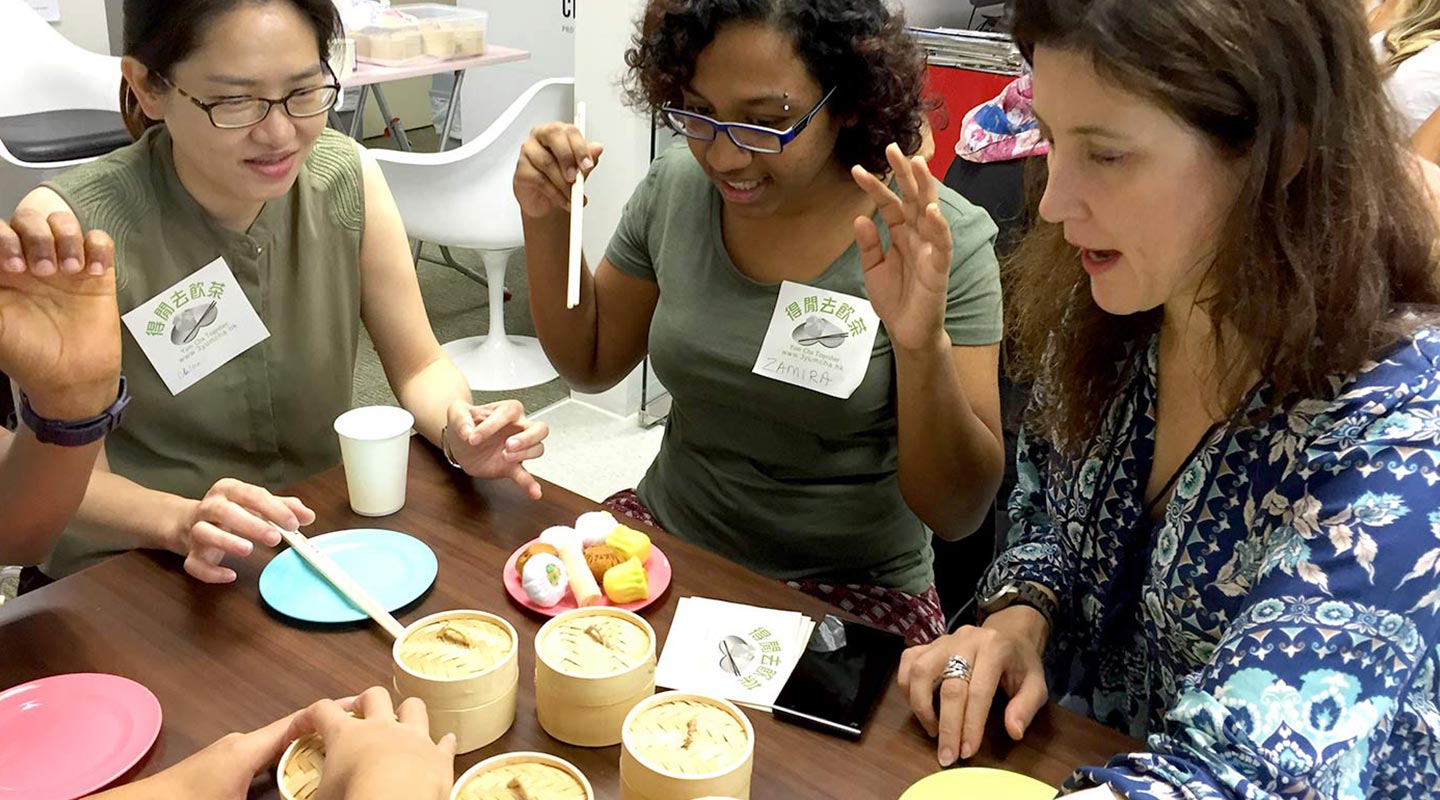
{"x": 1004, "y": 653}
{"x": 385, "y": 754}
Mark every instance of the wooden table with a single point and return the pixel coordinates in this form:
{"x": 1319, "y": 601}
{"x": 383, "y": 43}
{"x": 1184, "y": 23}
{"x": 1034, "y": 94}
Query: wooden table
{"x": 219, "y": 661}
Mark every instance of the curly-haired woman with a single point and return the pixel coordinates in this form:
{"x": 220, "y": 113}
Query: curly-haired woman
{"x": 831, "y": 348}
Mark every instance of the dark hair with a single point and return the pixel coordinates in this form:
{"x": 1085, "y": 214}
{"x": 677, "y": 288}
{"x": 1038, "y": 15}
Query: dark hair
{"x": 1310, "y": 267}
{"x": 162, "y": 33}
{"x": 858, "y": 47}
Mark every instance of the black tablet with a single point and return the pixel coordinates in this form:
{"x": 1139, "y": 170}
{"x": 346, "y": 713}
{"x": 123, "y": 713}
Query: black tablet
{"x": 840, "y": 678}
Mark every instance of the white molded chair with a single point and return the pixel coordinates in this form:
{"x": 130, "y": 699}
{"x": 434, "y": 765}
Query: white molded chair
{"x": 45, "y": 72}
{"x": 463, "y": 198}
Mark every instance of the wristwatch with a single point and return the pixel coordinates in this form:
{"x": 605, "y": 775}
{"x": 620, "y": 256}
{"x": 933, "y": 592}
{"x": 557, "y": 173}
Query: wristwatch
{"x": 1019, "y": 593}
{"x": 79, "y": 432}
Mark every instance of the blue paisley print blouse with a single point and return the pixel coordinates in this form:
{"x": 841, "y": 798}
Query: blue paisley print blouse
{"x": 1274, "y": 634}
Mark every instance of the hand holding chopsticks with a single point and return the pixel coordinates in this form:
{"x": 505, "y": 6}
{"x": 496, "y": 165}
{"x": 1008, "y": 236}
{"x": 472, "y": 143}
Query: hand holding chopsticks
{"x": 555, "y": 163}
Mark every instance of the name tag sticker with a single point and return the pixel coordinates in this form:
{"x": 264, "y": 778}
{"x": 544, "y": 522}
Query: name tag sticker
{"x": 196, "y": 326}
{"x": 818, "y": 340}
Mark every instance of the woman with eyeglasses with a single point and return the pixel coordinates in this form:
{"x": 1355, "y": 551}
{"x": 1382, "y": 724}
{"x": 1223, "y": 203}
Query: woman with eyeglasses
{"x": 824, "y": 313}
{"x": 251, "y": 245}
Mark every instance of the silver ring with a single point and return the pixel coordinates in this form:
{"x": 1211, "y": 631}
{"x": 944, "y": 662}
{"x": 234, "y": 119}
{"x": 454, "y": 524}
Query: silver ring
{"x": 957, "y": 667}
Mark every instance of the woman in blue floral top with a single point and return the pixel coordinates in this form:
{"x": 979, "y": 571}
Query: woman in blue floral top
{"x": 1228, "y": 505}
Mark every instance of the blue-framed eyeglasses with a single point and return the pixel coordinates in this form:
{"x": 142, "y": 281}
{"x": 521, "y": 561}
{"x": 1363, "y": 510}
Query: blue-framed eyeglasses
{"x": 754, "y": 138}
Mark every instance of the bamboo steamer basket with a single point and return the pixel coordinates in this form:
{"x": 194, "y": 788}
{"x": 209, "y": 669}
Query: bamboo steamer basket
{"x": 587, "y": 707}
{"x": 680, "y": 746}
{"x": 465, "y": 666}
{"x": 300, "y": 767}
{"x": 545, "y": 777}
{"x": 298, "y": 773}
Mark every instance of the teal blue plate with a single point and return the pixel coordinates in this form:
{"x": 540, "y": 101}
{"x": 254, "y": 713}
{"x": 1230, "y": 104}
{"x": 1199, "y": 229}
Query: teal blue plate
{"x": 393, "y": 567}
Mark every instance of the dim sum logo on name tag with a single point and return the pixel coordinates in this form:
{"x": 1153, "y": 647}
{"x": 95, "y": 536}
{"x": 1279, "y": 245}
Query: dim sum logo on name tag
{"x": 753, "y": 659}
{"x": 196, "y": 326}
{"x": 818, "y": 340}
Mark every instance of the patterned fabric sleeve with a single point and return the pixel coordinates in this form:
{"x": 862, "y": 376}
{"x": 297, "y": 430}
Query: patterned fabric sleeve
{"x": 1034, "y": 550}
{"x": 1311, "y": 685}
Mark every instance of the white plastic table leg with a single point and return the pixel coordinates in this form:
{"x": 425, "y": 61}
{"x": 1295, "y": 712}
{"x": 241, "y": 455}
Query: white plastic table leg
{"x": 497, "y": 362}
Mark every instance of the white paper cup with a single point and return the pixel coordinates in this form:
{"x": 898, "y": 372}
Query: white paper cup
{"x": 375, "y": 447}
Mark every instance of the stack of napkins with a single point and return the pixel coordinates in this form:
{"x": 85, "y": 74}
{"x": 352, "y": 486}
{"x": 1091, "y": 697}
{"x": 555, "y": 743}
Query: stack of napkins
{"x": 738, "y": 652}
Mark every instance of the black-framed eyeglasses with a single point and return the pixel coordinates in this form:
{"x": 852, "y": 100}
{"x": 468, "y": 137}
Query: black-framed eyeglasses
{"x": 754, "y": 138}
{"x": 245, "y": 112}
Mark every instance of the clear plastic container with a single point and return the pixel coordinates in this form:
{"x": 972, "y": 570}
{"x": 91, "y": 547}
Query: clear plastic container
{"x": 404, "y": 35}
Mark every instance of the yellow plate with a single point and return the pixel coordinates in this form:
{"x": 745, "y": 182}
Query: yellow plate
{"x": 979, "y": 783}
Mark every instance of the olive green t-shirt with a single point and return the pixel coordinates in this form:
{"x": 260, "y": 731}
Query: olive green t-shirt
{"x": 264, "y": 417}
{"x": 788, "y": 482}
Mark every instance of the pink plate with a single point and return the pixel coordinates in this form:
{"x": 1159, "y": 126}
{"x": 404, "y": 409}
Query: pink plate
{"x": 657, "y": 569}
{"x": 67, "y": 735}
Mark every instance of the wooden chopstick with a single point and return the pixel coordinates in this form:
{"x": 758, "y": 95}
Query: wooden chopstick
{"x": 577, "y": 213}
{"x": 342, "y": 581}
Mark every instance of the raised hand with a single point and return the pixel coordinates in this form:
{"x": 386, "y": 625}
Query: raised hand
{"x": 59, "y": 326}
{"x": 549, "y": 161}
{"x": 907, "y": 282}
